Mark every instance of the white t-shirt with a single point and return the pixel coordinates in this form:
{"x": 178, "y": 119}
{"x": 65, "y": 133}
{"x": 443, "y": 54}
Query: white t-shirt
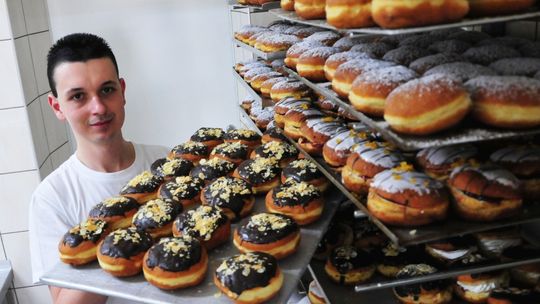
{"x": 65, "y": 198}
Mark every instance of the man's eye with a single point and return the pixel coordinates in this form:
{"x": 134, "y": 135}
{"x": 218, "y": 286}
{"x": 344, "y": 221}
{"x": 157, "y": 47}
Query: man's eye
{"x": 77, "y": 96}
{"x": 107, "y": 90}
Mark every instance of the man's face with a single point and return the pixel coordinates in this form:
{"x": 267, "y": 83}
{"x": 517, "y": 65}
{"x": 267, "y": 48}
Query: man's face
{"x": 90, "y": 98}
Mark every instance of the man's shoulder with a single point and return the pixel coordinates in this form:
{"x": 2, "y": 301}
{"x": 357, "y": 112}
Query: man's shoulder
{"x": 151, "y": 152}
{"x": 55, "y": 182}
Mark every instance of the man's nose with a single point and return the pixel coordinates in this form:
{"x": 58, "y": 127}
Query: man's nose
{"x": 97, "y": 105}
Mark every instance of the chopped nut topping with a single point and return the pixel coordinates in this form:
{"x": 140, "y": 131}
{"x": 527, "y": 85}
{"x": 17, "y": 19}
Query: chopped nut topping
{"x": 88, "y": 228}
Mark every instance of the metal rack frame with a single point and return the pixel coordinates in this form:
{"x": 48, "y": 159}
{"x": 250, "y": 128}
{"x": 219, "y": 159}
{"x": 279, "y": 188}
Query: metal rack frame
{"x": 259, "y": 53}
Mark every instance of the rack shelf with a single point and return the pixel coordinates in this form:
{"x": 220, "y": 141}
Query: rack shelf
{"x": 255, "y": 8}
{"x": 461, "y": 135}
{"x": 259, "y": 53}
{"x": 292, "y": 17}
{"x": 247, "y": 87}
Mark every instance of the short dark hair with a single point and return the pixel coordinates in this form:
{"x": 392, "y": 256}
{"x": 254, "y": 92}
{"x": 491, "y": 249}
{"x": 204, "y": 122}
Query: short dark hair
{"x": 78, "y": 47}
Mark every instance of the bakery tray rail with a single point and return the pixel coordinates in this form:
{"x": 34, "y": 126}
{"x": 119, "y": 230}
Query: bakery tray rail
{"x": 247, "y": 87}
{"x": 92, "y": 278}
{"x": 292, "y": 17}
{"x": 259, "y": 53}
{"x": 255, "y": 8}
{"x": 460, "y": 135}
{"x": 250, "y": 124}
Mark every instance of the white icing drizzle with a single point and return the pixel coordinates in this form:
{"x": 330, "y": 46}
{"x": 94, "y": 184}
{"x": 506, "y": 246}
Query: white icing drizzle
{"x": 319, "y": 52}
{"x": 516, "y": 154}
{"x": 382, "y": 157}
{"x": 345, "y": 140}
{"x": 452, "y": 255}
{"x": 485, "y": 286}
{"x": 325, "y": 125}
{"x": 492, "y": 173}
{"x": 447, "y": 154}
{"x": 397, "y": 181}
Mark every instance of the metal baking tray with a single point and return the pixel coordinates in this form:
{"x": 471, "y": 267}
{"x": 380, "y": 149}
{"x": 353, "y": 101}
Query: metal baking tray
{"x": 291, "y": 16}
{"x": 335, "y": 292}
{"x": 246, "y": 86}
{"x": 465, "y": 133}
{"x": 255, "y": 8}
{"x": 91, "y": 278}
{"x": 246, "y": 120}
{"x": 259, "y": 53}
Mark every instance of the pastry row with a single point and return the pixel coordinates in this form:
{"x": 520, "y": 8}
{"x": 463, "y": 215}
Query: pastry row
{"x": 416, "y": 190}
{"x": 397, "y": 13}
{"x": 166, "y": 220}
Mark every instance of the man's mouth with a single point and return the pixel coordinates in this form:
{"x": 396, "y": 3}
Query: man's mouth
{"x": 101, "y": 122}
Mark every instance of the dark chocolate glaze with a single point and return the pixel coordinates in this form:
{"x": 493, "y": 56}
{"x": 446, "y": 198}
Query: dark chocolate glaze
{"x": 211, "y": 169}
{"x": 415, "y": 270}
{"x": 114, "y": 206}
{"x": 92, "y": 230}
{"x": 205, "y": 134}
{"x": 212, "y": 218}
{"x": 182, "y": 188}
{"x": 259, "y": 170}
{"x": 191, "y": 147}
{"x": 277, "y": 150}
{"x": 265, "y": 228}
{"x": 294, "y": 194}
{"x": 364, "y": 228}
{"x": 516, "y": 295}
{"x": 129, "y": 242}
{"x": 302, "y": 170}
{"x": 242, "y": 134}
{"x": 148, "y": 185}
{"x": 275, "y": 133}
{"x": 247, "y": 271}
{"x": 233, "y": 150}
{"x": 175, "y": 254}
{"x": 228, "y": 192}
{"x": 521, "y": 252}
{"x": 180, "y": 167}
{"x": 391, "y": 255}
{"x": 348, "y": 258}
{"x": 156, "y": 213}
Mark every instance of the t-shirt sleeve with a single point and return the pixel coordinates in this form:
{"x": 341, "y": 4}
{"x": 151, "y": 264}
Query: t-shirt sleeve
{"x": 47, "y": 224}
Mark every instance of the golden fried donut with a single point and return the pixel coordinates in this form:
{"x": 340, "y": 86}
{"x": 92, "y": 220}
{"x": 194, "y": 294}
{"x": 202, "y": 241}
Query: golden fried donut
{"x": 310, "y": 9}
{"x": 117, "y": 211}
{"x": 438, "y": 162}
{"x": 311, "y": 63}
{"x": 282, "y": 152}
{"x": 210, "y": 169}
{"x": 287, "y": 5}
{"x": 495, "y": 97}
{"x": 475, "y": 288}
{"x": 246, "y": 137}
{"x": 211, "y": 137}
{"x": 170, "y": 168}
{"x": 461, "y": 70}
{"x": 294, "y": 52}
{"x": 339, "y": 147}
{"x": 121, "y": 252}
{"x": 175, "y": 262}
{"x": 347, "y": 72}
{"x": 261, "y": 173}
{"x": 334, "y": 61}
{"x": 295, "y": 118}
{"x": 271, "y": 233}
{"x": 275, "y": 42}
{"x": 421, "y": 65}
{"x": 407, "y": 198}
{"x": 409, "y": 13}
{"x": 348, "y": 265}
{"x": 289, "y": 88}
{"x": 142, "y": 187}
{"x": 486, "y": 54}
{"x": 208, "y": 224}
{"x": 517, "y": 66}
{"x": 304, "y": 170}
{"x": 79, "y": 245}
{"x": 349, "y": 13}
{"x": 267, "y": 85}
{"x": 249, "y": 278}
{"x": 433, "y": 292}
{"x": 232, "y": 195}
{"x": 156, "y": 217}
{"x": 405, "y": 54}
{"x": 191, "y": 150}
{"x": 299, "y": 200}
{"x": 185, "y": 190}
{"x": 326, "y": 37}
{"x": 369, "y": 90}
{"x": 234, "y": 152}
{"x": 485, "y": 192}
{"x": 427, "y": 105}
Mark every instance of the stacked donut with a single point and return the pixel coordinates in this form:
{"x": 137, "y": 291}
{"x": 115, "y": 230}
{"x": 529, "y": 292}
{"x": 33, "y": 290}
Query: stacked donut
{"x": 399, "y": 13}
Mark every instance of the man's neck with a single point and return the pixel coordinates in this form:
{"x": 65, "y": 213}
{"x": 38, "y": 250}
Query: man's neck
{"x": 109, "y": 157}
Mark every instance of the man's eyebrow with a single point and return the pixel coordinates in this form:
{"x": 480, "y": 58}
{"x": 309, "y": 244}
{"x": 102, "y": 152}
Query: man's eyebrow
{"x": 74, "y": 90}
{"x": 109, "y": 82}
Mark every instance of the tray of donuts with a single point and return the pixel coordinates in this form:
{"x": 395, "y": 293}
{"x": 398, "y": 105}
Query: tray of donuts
{"x": 354, "y": 259}
{"x": 402, "y": 16}
{"x": 226, "y": 212}
{"x": 418, "y": 197}
{"x": 272, "y": 41}
{"x": 425, "y": 90}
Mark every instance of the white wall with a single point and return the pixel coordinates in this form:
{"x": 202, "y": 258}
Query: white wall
{"x": 176, "y": 57}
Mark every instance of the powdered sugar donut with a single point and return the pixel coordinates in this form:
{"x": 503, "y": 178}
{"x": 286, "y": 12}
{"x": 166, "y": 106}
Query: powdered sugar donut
{"x": 462, "y": 70}
{"x": 334, "y": 61}
{"x": 489, "y": 53}
{"x": 311, "y": 63}
{"x": 496, "y": 96}
{"x": 517, "y": 66}
{"x": 275, "y": 42}
{"x": 405, "y": 54}
{"x": 423, "y": 64}
{"x": 347, "y": 72}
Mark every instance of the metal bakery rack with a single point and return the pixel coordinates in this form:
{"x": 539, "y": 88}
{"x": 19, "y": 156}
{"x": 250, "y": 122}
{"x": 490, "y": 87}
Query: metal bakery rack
{"x": 259, "y": 53}
{"x": 372, "y": 291}
{"x": 292, "y": 17}
{"x": 255, "y": 8}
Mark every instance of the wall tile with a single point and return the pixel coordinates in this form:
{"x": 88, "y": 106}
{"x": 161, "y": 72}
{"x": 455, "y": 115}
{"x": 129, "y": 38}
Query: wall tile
{"x": 15, "y": 154}
{"x": 16, "y": 16}
{"x": 37, "y": 126}
{"x": 35, "y": 15}
{"x": 39, "y": 46}
{"x": 54, "y": 128}
{"x": 61, "y": 155}
{"x": 26, "y": 68}
{"x": 10, "y": 85}
{"x": 17, "y": 248}
{"x": 36, "y": 294}
{"x": 46, "y": 168}
{"x": 11, "y": 298}
{"x": 5, "y": 28}
{"x": 16, "y": 192}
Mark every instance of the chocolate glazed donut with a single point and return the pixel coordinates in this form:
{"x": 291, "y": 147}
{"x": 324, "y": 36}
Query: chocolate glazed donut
{"x": 233, "y": 195}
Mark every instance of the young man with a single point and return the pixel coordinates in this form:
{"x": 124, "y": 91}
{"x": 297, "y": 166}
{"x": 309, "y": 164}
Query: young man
{"x": 86, "y": 91}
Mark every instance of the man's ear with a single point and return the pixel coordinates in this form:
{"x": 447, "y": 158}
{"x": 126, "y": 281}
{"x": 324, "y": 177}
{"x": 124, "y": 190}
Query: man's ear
{"x": 123, "y": 87}
{"x": 55, "y": 106}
